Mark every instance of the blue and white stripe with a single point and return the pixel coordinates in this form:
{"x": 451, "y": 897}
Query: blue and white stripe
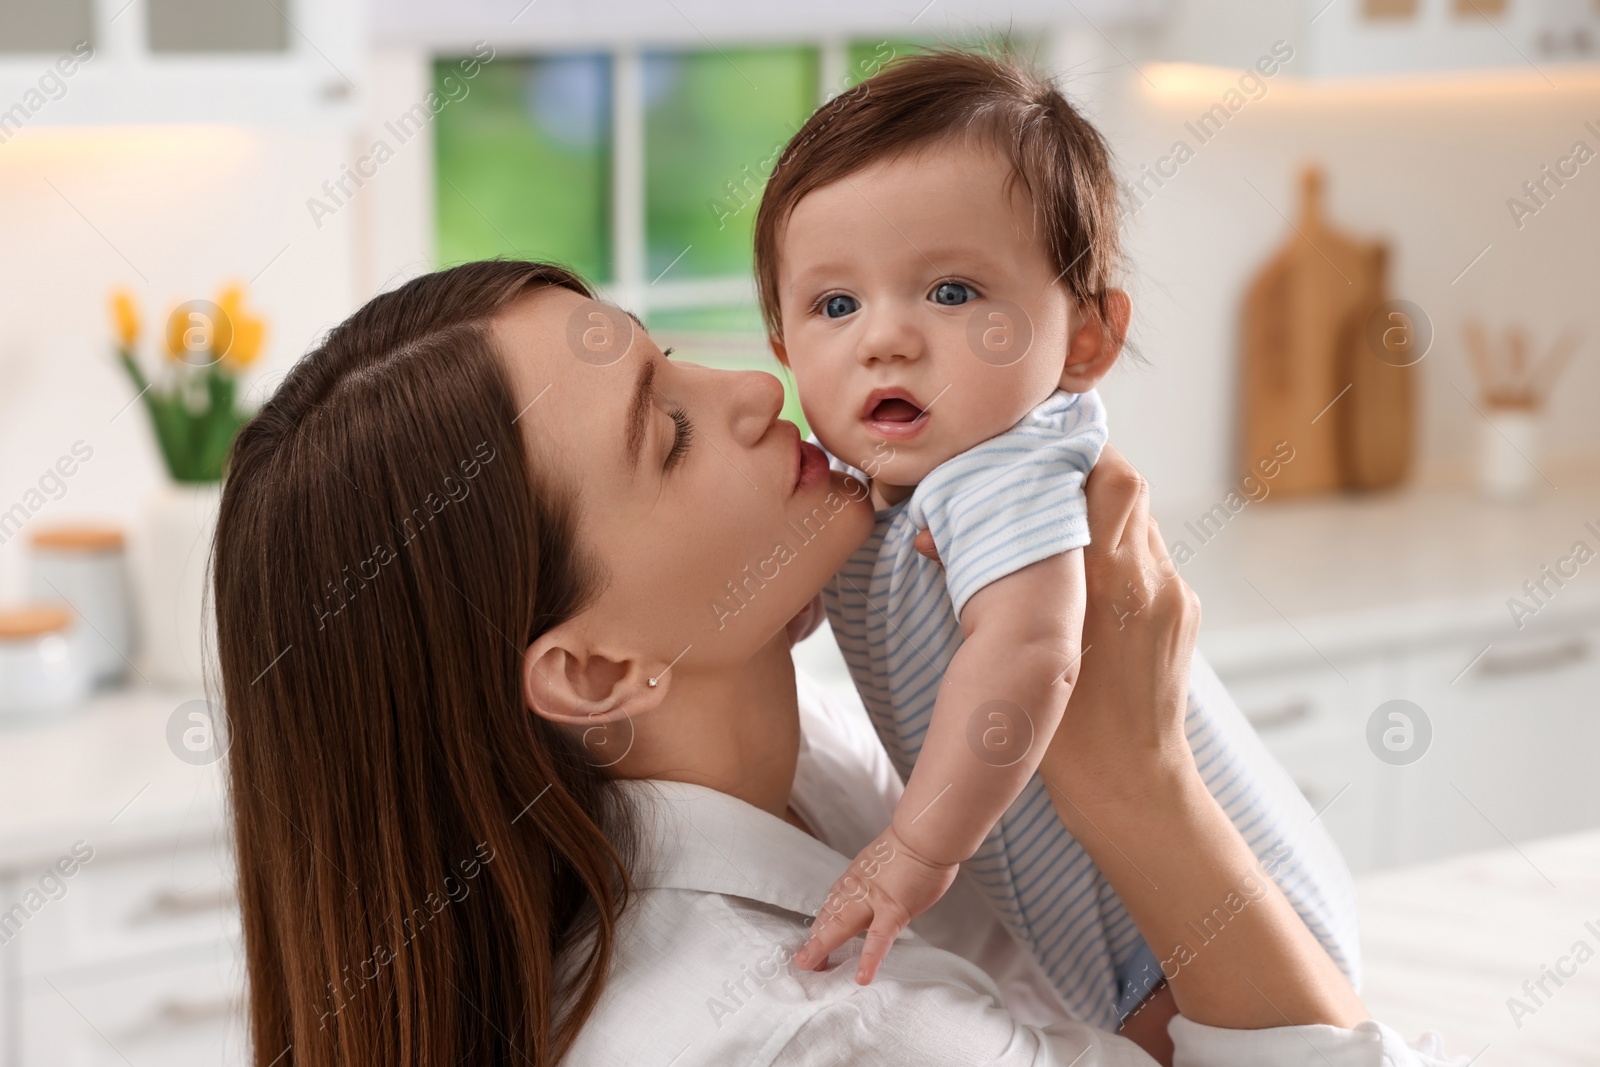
{"x": 1001, "y": 505}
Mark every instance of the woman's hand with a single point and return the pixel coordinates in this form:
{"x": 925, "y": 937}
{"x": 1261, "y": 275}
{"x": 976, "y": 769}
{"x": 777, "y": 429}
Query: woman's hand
{"x": 1123, "y": 730}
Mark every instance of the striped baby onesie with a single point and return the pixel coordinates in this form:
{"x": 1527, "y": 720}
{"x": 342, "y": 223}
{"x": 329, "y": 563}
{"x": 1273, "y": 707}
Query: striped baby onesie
{"x": 1013, "y": 500}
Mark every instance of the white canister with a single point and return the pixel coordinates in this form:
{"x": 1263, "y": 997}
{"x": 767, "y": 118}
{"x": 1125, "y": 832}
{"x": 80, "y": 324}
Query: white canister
{"x": 1508, "y": 453}
{"x": 85, "y": 568}
{"x": 171, "y": 561}
{"x": 38, "y": 676}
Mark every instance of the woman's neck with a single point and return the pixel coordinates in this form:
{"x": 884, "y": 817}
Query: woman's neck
{"x": 735, "y": 730}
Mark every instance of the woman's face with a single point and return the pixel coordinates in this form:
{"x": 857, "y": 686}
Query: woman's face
{"x": 712, "y": 522}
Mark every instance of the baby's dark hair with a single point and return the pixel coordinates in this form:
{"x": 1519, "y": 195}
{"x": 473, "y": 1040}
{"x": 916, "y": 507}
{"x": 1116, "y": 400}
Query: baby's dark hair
{"x": 925, "y": 98}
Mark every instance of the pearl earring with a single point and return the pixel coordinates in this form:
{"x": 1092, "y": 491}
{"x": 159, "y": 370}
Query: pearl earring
{"x": 652, "y": 682}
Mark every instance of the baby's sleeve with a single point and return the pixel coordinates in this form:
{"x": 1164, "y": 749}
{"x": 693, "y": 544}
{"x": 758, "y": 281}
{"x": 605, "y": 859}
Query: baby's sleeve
{"x": 1016, "y": 498}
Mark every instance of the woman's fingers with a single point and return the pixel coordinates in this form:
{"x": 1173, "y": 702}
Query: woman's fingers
{"x": 1119, "y": 502}
{"x": 1158, "y": 552}
{"x": 925, "y": 546}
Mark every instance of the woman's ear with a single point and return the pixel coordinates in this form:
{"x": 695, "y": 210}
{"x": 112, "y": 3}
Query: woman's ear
{"x": 776, "y": 344}
{"x": 566, "y": 680}
{"x": 1096, "y": 343}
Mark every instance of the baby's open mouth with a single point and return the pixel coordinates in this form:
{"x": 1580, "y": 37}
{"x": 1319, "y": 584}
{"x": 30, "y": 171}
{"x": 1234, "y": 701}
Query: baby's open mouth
{"x": 894, "y": 414}
{"x": 894, "y": 409}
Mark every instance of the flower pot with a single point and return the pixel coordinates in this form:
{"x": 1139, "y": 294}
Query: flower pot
{"x": 171, "y": 563}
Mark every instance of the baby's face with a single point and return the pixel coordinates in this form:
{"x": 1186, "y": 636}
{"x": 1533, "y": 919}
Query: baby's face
{"x": 921, "y": 311}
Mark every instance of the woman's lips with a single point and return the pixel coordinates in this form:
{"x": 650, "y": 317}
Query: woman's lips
{"x": 813, "y": 467}
{"x": 894, "y": 413}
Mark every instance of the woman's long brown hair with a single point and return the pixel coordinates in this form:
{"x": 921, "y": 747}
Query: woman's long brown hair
{"x": 429, "y": 874}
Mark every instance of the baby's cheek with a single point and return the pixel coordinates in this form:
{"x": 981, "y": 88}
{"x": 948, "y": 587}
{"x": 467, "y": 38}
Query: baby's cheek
{"x": 834, "y": 429}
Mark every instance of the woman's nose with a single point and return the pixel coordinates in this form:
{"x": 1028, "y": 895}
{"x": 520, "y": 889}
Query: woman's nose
{"x": 757, "y": 401}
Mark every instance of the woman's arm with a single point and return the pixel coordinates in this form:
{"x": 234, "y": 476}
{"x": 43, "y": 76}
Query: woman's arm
{"x": 1124, "y": 783}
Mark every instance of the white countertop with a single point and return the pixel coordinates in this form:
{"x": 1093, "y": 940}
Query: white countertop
{"x": 1448, "y": 943}
{"x": 1357, "y": 573}
{"x": 104, "y": 775}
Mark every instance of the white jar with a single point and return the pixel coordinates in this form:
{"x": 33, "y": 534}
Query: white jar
{"x": 170, "y": 554}
{"x": 85, "y": 568}
{"x": 38, "y": 676}
{"x": 1508, "y": 453}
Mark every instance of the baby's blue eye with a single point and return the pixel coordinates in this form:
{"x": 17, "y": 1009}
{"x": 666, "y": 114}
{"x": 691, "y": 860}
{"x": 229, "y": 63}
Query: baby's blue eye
{"x": 952, "y": 293}
{"x": 838, "y": 307}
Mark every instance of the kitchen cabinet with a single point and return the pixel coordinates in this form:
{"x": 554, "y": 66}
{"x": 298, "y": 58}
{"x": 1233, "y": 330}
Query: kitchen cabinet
{"x": 1515, "y": 739}
{"x": 1307, "y": 718}
{"x": 1358, "y": 38}
{"x": 252, "y": 62}
{"x": 127, "y": 952}
{"x": 186, "y": 1015}
{"x": 1318, "y": 612}
{"x": 137, "y": 963}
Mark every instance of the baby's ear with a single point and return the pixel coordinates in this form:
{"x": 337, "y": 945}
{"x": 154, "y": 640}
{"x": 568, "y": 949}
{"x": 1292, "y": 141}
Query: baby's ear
{"x": 1096, "y": 343}
{"x": 776, "y": 344}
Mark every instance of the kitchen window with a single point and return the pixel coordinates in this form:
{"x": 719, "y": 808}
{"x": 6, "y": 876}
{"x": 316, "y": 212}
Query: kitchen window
{"x": 640, "y": 169}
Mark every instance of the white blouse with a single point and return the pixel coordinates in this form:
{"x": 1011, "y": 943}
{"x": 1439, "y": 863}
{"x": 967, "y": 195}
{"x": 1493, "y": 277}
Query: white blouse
{"x": 701, "y": 972}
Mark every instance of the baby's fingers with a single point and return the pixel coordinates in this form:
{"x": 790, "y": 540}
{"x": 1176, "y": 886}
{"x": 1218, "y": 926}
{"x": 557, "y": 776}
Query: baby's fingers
{"x": 832, "y": 928}
{"x": 880, "y": 937}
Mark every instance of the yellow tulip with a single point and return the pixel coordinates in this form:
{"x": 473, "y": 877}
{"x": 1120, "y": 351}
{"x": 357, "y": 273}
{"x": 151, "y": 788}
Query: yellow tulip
{"x": 248, "y": 333}
{"x": 231, "y": 297}
{"x": 177, "y": 333}
{"x": 230, "y": 302}
{"x": 125, "y": 314}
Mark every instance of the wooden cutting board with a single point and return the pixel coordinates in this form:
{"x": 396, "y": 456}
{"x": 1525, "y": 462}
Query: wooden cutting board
{"x": 1309, "y": 380}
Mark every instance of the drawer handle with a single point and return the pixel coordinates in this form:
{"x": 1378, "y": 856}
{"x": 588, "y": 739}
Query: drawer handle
{"x": 1530, "y": 661}
{"x": 176, "y": 1012}
{"x": 170, "y": 904}
{"x": 1279, "y": 717}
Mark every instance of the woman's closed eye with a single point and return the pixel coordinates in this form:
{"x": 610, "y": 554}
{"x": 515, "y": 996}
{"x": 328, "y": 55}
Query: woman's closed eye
{"x": 682, "y": 431}
{"x": 682, "y": 428}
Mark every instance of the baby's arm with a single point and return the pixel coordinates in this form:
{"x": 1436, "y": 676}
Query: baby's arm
{"x": 998, "y": 706}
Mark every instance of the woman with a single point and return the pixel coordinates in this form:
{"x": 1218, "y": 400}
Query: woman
{"x": 519, "y": 769}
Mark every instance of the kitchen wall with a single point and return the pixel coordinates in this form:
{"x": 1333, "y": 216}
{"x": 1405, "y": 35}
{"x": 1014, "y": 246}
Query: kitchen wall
{"x": 173, "y": 211}
{"x": 169, "y": 212}
{"x": 1428, "y": 165}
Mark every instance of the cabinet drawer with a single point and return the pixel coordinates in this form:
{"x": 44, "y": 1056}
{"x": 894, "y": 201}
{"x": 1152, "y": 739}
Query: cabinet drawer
{"x": 1514, "y": 737}
{"x": 175, "y": 1017}
{"x": 1343, "y": 784}
{"x": 1312, "y": 721}
{"x": 126, "y": 907}
{"x": 1291, "y": 705}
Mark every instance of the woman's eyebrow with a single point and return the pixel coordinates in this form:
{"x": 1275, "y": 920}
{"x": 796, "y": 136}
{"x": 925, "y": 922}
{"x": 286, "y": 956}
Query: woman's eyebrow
{"x": 639, "y": 410}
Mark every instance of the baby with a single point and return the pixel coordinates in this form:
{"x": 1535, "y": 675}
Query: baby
{"x": 935, "y": 255}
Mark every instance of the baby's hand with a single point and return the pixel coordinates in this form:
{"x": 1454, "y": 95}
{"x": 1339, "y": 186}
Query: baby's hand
{"x": 884, "y": 888}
